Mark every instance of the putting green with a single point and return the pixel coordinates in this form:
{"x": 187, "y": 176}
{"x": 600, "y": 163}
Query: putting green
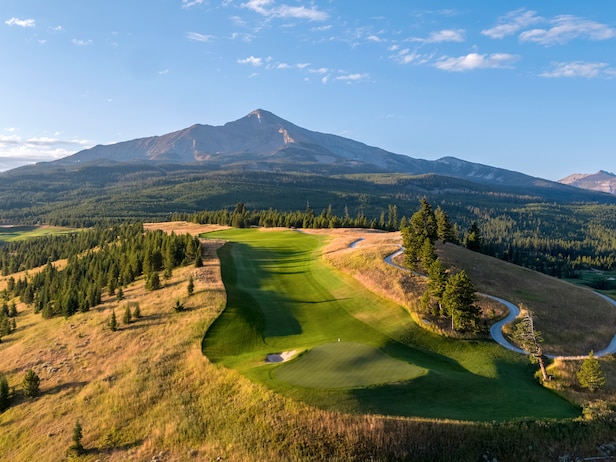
{"x": 346, "y": 365}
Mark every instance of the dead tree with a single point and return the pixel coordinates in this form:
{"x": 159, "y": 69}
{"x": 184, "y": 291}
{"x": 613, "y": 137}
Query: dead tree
{"x": 530, "y": 340}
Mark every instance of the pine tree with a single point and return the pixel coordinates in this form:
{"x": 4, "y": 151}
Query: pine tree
{"x": 136, "y": 311}
{"x": 153, "y": 282}
{"x": 437, "y": 281}
{"x": 191, "y": 285}
{"x": 445, "y": 229}
{"x": 590, "y": 374}
{"x": 128, "y": 316}
{"x": 459, "y": 302}
{"x": 77, "y": 447}
{"x": 30, "y": 384}
{"x": 473, "y": 238}
{"x": 113, "y": 322}
{"x": 421, "y": 227}
{"x": 5, "y": 394}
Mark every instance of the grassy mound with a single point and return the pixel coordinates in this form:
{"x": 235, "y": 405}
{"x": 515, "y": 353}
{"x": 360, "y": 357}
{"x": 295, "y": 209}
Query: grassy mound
{"x": 346, "y": 365}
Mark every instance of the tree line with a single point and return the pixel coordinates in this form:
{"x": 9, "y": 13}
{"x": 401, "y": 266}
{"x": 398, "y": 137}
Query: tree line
{"x": 450, "y": 296}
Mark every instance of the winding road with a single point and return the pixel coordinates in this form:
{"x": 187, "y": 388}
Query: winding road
{"x": 496, "y": 331}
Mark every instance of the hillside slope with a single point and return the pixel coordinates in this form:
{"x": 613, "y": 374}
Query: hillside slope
{"x": 147, "y": 392}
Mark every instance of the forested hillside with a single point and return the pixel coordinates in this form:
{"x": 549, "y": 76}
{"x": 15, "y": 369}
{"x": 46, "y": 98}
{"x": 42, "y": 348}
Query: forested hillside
{"x": 552, "y": 230}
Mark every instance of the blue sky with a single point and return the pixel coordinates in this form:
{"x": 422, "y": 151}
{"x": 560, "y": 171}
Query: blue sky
{"x": 527, "y": 87}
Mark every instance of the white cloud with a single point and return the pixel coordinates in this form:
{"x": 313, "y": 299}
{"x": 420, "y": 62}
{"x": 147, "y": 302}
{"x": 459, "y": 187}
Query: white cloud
{"x": 256, "y": 62}
{"x": 447, "y": 35}
{"x": 566, "y": 28}
{"x": 512, "y": 22}
{"x": 301, "y": 12}
{"x": 375, "y": 39}
{"x": 6, "y": 140}
{"x": 196, "y": 37}
{"x": 579, "y": 69}
{"x": 350, "y": 78}
{"x": 20, "y": 22}
{"x": 15, "y": 151}
{"x": 406, "y": 56}
{"x": 321, "y": 70}
{"x": 82, "y": 43}
{"x": 190, "y": 3}
{"x": 269, "y": 9}
{"x": 292, "y": 66}
{"x": 476, "y": 61}
{"x": 321, "y": 28}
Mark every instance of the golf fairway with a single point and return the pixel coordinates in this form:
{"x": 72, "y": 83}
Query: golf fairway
{"x": 282, "y": 296}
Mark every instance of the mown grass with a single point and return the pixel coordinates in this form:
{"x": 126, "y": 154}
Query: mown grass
{"x": 14, "y": 233}
{"x": 346, "y": 365}
{"x": 283, "y": 296}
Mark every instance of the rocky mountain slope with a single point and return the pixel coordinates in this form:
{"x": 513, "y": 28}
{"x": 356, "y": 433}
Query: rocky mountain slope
{"x": 601, "y": 181}
{"x": 262, "y": 141}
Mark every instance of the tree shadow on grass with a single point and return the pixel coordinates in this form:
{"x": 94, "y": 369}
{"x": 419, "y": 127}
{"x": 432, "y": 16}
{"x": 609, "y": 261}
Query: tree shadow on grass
{"x": 442, "y": 394}
{"x": 63, "y": 387}
{"x": 100, "y": 451}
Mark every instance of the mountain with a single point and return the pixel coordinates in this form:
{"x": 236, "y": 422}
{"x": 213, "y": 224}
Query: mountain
{"x": 601, "y": 181}
{"x": 262, "y": 161}
{"x": 262, "y": 141}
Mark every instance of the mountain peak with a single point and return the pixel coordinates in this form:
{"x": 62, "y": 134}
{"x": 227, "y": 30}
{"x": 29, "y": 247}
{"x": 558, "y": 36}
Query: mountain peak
{"x": 601, "y": 181}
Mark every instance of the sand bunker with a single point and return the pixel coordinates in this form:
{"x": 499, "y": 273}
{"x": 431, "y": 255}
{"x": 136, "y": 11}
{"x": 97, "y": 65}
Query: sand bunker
{"x": 280, "y": 357}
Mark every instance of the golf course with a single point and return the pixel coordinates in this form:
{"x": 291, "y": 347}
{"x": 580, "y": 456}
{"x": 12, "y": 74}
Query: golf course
{"x": 350, "y": 350}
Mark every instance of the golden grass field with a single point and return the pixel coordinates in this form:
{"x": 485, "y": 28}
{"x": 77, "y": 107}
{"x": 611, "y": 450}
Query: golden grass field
{"x": 147, "y": 392}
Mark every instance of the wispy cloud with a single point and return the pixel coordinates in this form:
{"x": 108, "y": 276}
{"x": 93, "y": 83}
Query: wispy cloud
{"x": 292, "y": 66}
{"x": 474, "y": 61}
{"x": 82, "y": 43}
{"x": 271, "y": 10}
{"x": 20, "y": 22}
{"x": 407, "y": 56}
{"x": 566, "y": 28}
{"x": 513, "y": 22}
{"x": 191, "y": 3}
{"x": 579, "y": 69}
{"x": 352, "y": 78}
{"x": 253, "y": 61}
{"x": 196, "y": 37}
{"x": 447, "y": 35}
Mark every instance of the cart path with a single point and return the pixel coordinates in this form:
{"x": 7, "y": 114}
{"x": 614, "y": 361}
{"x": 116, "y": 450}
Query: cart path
{"x": 496, "y": 331}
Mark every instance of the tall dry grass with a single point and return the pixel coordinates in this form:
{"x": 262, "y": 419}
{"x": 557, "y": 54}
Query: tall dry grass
{"x": 573, "y": 320}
